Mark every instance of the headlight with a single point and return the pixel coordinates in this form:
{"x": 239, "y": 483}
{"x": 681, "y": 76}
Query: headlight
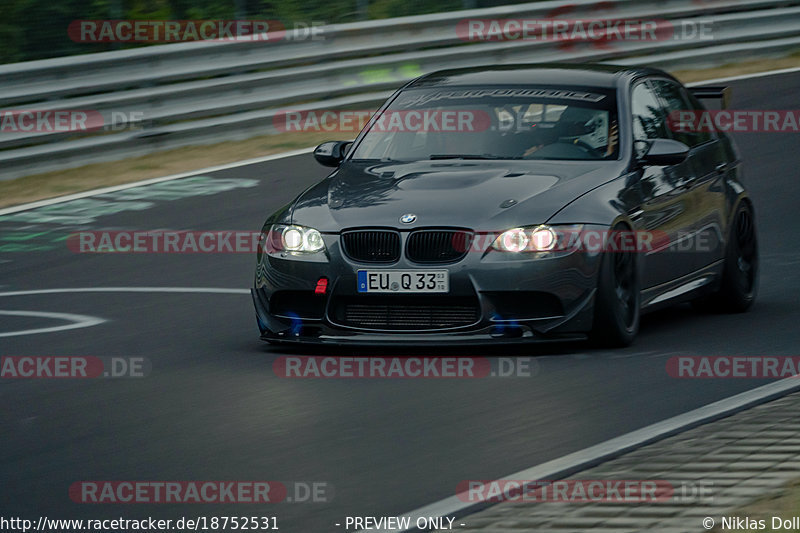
{"x": 536, "y": 239}
{"x": 295, "y": 239}
{"x": 513, "y": 240}
{"x": 543, "y": 239}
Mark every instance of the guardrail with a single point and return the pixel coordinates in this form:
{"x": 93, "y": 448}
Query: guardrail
{"x": 201, "y": 92}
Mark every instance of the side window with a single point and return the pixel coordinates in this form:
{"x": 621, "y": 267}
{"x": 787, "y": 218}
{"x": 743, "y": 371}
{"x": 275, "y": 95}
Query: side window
{"x": 648, "y": 119}
{"x": 695, "y": 105}
{"x": 675, "y": 99}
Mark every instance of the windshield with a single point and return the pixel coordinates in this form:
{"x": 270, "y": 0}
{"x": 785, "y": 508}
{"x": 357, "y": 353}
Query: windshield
{"x": 532, "y": 122}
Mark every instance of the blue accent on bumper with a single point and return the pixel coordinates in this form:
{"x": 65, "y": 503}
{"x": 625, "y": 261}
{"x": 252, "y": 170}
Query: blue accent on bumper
{"x": 362, "y": 281}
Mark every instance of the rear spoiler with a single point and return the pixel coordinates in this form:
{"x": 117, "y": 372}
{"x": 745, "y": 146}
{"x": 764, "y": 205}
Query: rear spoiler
{"x": 723, "y": 93}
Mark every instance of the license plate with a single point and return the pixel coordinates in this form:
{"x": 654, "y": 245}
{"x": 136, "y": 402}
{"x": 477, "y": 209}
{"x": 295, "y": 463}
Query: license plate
{"x": 403, "y": 281}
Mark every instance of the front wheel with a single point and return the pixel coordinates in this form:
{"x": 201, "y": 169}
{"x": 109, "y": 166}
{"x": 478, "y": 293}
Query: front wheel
{"x": 618, "y": 299}
{"x": 739, "y": 285}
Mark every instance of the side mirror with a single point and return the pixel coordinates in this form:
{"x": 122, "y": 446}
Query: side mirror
{"x": 665, "y": 152}
{"x": 331, "y": 153}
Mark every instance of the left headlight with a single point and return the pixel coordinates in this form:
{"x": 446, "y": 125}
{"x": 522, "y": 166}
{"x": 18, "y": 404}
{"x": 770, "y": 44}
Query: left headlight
{"x": 542, "y": 238}
{"x": 294, "y": 239}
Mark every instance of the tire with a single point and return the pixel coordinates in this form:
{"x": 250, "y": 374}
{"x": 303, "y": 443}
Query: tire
{"x": 618, "y": 298}
{"x": 739, "y": 285}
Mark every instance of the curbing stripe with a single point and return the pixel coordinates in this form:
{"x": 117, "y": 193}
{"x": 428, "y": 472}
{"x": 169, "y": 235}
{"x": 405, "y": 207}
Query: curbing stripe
{"x": 594, "y": 455}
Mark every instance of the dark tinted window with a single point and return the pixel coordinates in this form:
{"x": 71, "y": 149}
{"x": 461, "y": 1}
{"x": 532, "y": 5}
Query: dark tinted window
{"x": 648, "y": 118}
{"x": 676, "y": 100}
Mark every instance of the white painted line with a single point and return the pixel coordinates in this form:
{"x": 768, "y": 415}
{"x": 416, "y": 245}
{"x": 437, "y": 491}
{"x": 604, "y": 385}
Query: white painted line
{"x": 76, "y": 321}
{"x": 189, "y": 290}
{"x": 85, "y": 321}
{"x": 115, "y": 188}
{"x": 583, "y": 459}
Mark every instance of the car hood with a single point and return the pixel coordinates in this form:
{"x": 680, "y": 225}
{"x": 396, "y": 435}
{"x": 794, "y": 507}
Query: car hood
{"x": 481, "y": 195}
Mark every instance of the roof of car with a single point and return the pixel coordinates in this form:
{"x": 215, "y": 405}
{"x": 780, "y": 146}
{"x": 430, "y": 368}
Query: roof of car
{"x": 567, "y": 74}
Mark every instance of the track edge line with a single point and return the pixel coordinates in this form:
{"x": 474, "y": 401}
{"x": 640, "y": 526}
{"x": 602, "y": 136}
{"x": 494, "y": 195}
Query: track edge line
{"x": 575, "y": 462}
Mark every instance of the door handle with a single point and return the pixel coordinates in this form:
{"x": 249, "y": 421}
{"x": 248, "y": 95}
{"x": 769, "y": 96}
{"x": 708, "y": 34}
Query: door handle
{"x": 721, "y": 168}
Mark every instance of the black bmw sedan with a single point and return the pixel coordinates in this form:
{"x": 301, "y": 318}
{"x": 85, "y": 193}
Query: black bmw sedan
{"x": 515, "y": 203}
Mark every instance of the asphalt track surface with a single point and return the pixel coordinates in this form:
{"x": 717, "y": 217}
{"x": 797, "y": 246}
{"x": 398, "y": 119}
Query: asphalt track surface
{"x": 212, "y": 408}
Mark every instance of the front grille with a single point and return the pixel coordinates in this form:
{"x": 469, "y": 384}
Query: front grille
{"x": 372, "y": 246}
{"x": 438, "y": 246}
{"x": 398, "y": 312}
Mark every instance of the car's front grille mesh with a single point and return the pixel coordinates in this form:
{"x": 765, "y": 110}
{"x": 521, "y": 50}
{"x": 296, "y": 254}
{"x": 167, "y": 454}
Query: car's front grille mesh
{"x": 438, "y": 246}
{"x": 408, "y": 313}
{"x": 372, "y": 246}
{"x": 422, "y": 246}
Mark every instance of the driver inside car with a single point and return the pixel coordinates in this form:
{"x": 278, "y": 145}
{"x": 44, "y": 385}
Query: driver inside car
{"x": 585, "y": 128}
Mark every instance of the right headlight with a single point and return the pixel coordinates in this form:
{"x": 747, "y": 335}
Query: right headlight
{"x": 294, "y": 239}
{"x": 541, "y": 238}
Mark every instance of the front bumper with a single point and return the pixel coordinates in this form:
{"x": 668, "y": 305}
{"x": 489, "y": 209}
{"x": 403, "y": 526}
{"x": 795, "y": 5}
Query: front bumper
{"x": 533, "y": 298}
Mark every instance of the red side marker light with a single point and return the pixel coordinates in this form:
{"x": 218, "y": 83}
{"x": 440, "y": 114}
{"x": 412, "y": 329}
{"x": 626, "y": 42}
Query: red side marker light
{"x": 322, "y": 286}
